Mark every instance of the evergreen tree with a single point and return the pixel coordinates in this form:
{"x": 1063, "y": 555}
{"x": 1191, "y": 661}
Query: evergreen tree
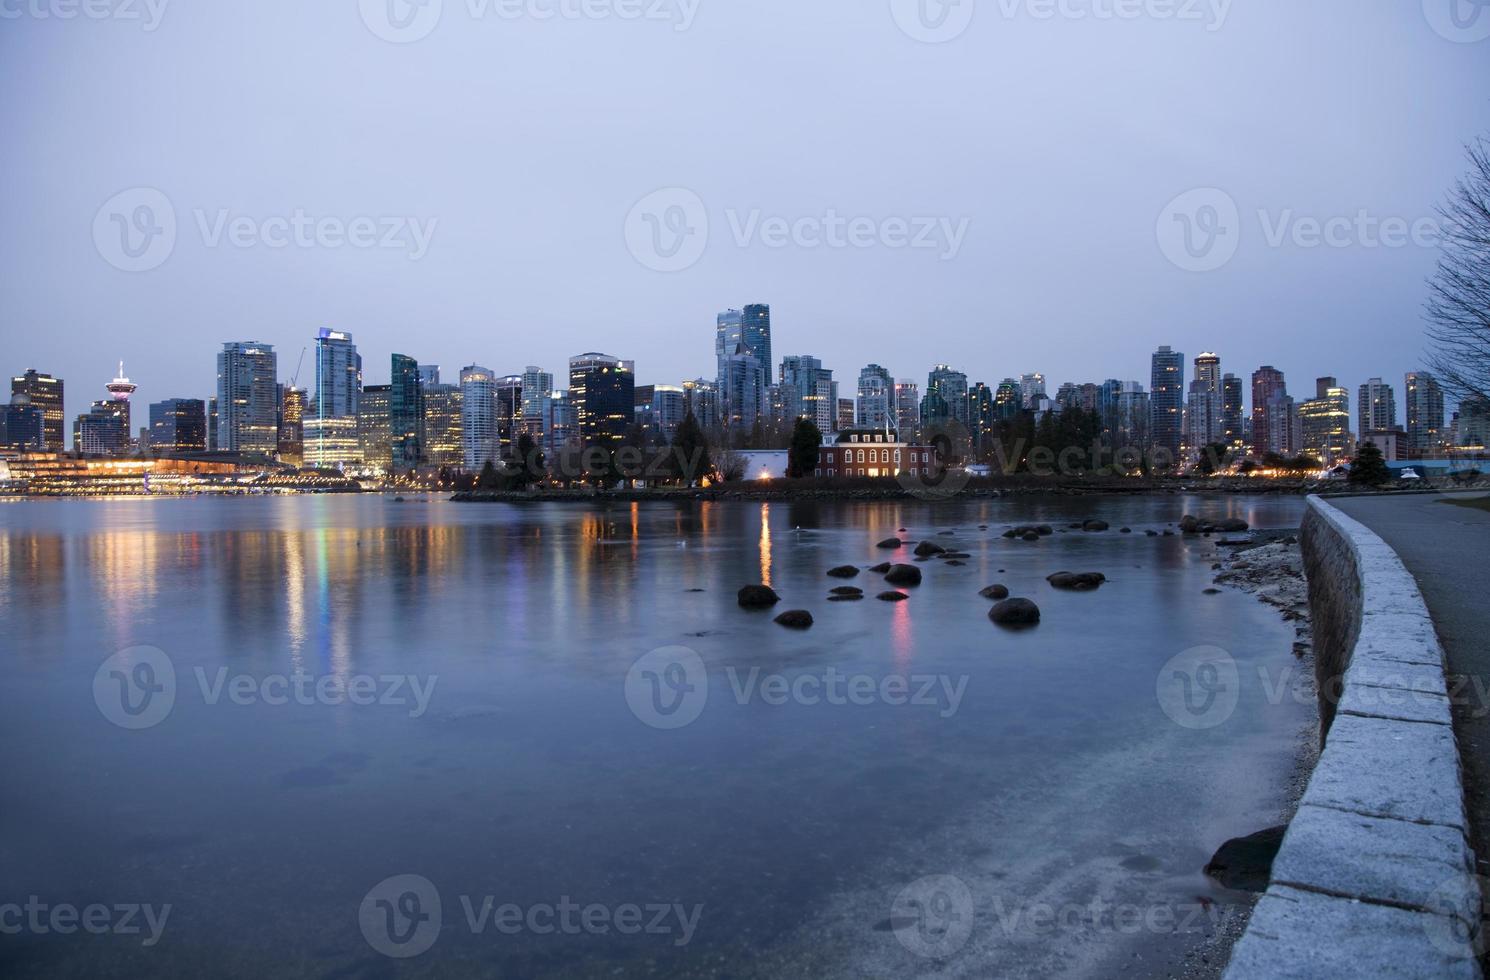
{"x": 1369, "y": 468}
{"x": 690, "y": 457}
{"x": 802, "y": 456}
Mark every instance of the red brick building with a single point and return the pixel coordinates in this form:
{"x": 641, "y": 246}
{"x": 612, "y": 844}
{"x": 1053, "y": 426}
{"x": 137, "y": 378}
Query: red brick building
{"x": 869, "y": 453}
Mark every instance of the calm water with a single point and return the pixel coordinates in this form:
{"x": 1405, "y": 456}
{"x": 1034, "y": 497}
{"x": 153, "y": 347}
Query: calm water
{"x": 529, "y": 778}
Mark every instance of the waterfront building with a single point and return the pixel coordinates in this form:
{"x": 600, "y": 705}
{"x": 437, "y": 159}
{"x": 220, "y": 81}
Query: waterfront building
{"x": 1425, "y": 427}
{"x": 1269, "y": 395}
{"x": 103, "y": 430}
{"x": 330, "y": 436}
{"x": 178, "y": 425}
{"x": 292, "y": 409}
{"x": 603, "y": 390}
{"x": 45, "y": 393}
{"x": 374, "y": 434}
{"x": 406, "y": 414}
{"x": 247, "y": 399}
{"x": 876, "y": 398}
{"x": 443, "y": 410}
{"x": 1166, "y": 401}
{"x": 23, "y": 426}
{"x": 478, "y": 417}
{"x": 1376, "y": 407}
{"x": 1325, "y": 420}
{"x": 537, "y": 384}
{"x": 872, "y": 453}
{"x": 509, "y": 413}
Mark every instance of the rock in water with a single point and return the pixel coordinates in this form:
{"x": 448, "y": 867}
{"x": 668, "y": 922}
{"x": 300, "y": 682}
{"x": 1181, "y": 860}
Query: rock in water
{"x": 1015, "y": 612}
{"x": 903, "y": 575}
{"x": 1095, "y": 526}
{"x": 1246, "y": 863}
{"x": 1077, "y": 581}
{"x": 843, "y": 571}
{"x": 758, "y": 597}
{"x": 890, "y": 543}
{"x": 797, "y": 619}
{"x": 846, "y": 590}
{"x": 1031, "y": 536}
{"x": 855, "y": 597}
{"x": 892, "y": 597}
{"x": 926, "y": 549}
{"x": 881, "y": 568}
{"x": 995, "y": 592}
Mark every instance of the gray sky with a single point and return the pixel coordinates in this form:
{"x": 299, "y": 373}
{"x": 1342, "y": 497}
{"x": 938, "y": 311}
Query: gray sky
{"x": 1054, "y": 145}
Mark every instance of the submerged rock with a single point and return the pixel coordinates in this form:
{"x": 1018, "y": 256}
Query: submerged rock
{"x": 1095, "y": 526}
{"x": 797, "y": 619}
{"x": 1246, "y": 863}
{"x": 903, "y": 575}
{"x": 843, "y": 571}
{"x": 892, "y": 597}
{"x": 847, "y": 590}
{"x": 995, "y": 592}
{"x": 1077, "y": 581}
{"x": 758, "y": 597}
{"x": 890, "y": 543}
{"x": 926, "y": 549}
{"x": 1015, "y": 612}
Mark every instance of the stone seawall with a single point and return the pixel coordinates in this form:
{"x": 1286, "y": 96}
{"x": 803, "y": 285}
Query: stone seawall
{"x": 1376, "y": 875}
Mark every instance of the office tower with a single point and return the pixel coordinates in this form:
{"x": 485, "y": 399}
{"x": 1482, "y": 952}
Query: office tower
{"x": 951, "y": 388}
{"x": 1007, "y": 400}
{"x": 876, "y": 399}
{"x": 45, "y": 393}
{"x": 755, "y": 333}
{"x": 845, "y": 413}
{"x": 908, "y": 410}
{"x": 1325, "y": 421}
{"x": 742, "y": 389}
{"x": 659, "y": 411}
{"x": 1167, "y": 401}
{"x": 1068, "y": 395}
{"x": 1377, "y": 407}
{"x": 808, "y": 391}
{"x": 119, "y": 391}
{"x": 374, "y": 433}
{"x": 1031, "y": 389}
{"x": 559, "y": 423}
{"x": 178, "y": 425}
{"x": 478, "y": 417}
{"x": 536, "y": 386}
{"x": 292, "y": 405}
{"x": 982, "y": 416}
{"x": 429, "y": 375}
{"x": 103, "y": 430}
{"x": 603, "y": 389}
{"x": 247, "y": 399}
{"x": 331, "y": 437}
{"x": 1268, "y": 394}
{"x": 1130, "y": 416}
{"x": 729, "y": 334}
{"x": 935, "y": 411}
{"x": 23, "y": 426}
{"x": 406, "y": 414}
{"x": 1203, "y": 426}
{"x": 701, "y": 397}
{"x": 1233, "y": 433}
{"x": 1425, "y": 430}
{"x": 443, "y": 409}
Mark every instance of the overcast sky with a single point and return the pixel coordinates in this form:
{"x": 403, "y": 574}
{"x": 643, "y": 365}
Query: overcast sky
{"x": 486, "y": 186}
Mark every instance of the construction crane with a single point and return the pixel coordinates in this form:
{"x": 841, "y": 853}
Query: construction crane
{"x": 298, "y": 365}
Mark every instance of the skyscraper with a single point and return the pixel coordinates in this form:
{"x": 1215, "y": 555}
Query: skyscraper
{"x": 1425, "y": 430}
{"x": 1326, "y": 422}
{"x": 702, "y": 399}
{"x": 442, "y": 425}
{"x": 603, "y": 390}
{"x": 1377, "y": 407}
{"x": 1167, "y": 402}
{"x": 809, "y": 392}
{"x": 536, "y": 386}
{"x": 509, "y": 413}
{"x": 742, "y": 389}
{"x": 1031, "y": 389}
{"x": 1203, "y": 425}
{"x": 45, "y": 393}
{"x": 331, "y": 439}
{"x": 406, "y": 414}
{"x": 178, "y": 425}
{"x": 374, "y": 435}
{"x": 876, "y": 409}
{"x": 22, "y": 426}
{"x": 247, "y": 399}
{"x": 729, "y": 333}
{"x": 659, "y": 411}
{"x": 478, "y": 418}
{"x": 1268, "y": 394}
{"x": 292, "y": 406}
{"x": 755, "y": 332}
{"x": 908, "y": 410}
{"x": 951, "y": 387}
{"x": 1233, "y": 431}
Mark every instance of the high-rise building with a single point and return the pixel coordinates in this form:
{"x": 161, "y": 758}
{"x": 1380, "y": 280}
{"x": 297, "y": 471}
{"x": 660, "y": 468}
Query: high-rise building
{"x": 374, "y": 434}
{"x": 103, "y": 430}
{"x": 1377, "y": 407}
{"x": 560, "y": 426}
{"x": 1233, "y": 430}
{"x": 908, "y": 410}
{"x": 1425, "y": 431}
{"x": 1203, "y": 424}
{"x": 845, "y": 414}
{"x": 247, "y": 399}
{"x": 429, "y": 375}
{"x": 809, "y": 391}
{"x": 1007, "y": 399}
{"x": 119, "y": 391}
{"x": 45, "y": 393}
{"x": 755, "y": 332}
{"x": 478, "y": 419}
{"x": 22, "y": 425}
{"x": 660, "y": 409}
{"x": 1325, "y": 420}
{"x": 331, "y": 438}
{"x": 1031, "y": 389}
{"x": 1268, "y": 394}
{"x": 982, "y": 418}
{"x": 951, "y": 388}
{"x": 729, "y": 334}
{"x": 742, "y": 389}
{"x": 702, "y": 399}
{"x": 537, "y": 384}
{"x": 406, "y": 414}
{"x": 603, "y": 390}
{"x": 178, "y": 425}
{"x": 292, "y": 406}
{"x": 443, "y": 411}
{"x": 876, "y": 399}
{"x": 1167, "y": 402}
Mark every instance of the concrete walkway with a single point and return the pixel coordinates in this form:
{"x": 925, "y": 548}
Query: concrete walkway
{"x": 1447, "y": 550}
